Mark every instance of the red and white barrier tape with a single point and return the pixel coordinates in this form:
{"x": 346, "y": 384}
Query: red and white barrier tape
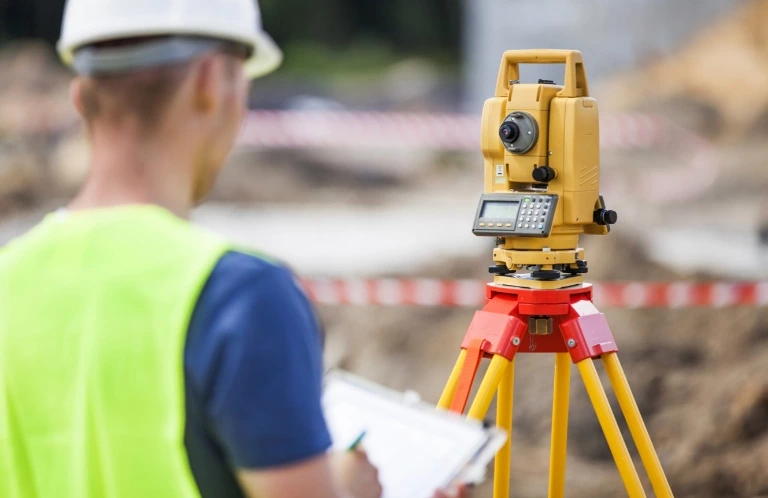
{"x": 678, "y": 180}
{"x": 685, "y": 178}
{"x": 471, "y": 293}
{"x": 391, "y": 130}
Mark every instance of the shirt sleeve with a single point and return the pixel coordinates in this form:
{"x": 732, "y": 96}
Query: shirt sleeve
{"x": 253, "y": 363}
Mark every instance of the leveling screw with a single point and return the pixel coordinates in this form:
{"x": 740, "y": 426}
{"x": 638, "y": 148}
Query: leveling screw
{"x": 516, "y": 341}
{"x": 571, "y": 343}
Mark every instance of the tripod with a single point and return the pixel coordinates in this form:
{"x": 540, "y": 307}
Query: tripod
{"x": 564, "y": 322}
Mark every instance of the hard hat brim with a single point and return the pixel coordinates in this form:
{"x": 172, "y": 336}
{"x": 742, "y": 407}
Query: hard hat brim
{"x": 266, "y": 58}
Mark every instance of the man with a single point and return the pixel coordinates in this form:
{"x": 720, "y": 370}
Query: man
{"x": 141, "y": 356}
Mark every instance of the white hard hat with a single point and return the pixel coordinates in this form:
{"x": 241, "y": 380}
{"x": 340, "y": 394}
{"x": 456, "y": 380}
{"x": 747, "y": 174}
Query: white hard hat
{"x": 87, "y": 22}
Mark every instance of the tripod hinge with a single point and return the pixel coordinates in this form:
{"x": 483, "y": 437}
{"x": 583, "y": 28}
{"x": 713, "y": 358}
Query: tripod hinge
{"x": 591, "y": 336}
{"x": 497, "y": 332}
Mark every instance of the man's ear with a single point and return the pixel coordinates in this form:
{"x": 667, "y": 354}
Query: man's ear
{"x": 76, "y": 94}
{"x": 206, "y": 84}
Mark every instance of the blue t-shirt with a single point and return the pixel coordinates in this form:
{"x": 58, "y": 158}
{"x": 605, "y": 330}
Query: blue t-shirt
{"x": 253, "y": 372}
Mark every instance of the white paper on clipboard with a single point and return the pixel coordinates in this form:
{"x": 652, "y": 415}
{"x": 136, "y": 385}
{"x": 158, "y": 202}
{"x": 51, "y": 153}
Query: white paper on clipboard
{"x": 416, "y": 448}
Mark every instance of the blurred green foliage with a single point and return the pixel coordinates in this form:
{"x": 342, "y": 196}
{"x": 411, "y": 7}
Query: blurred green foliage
{"x": 318, "y": 36}
{"x": 423, "y": 27}
{"x": 30, "y": 19}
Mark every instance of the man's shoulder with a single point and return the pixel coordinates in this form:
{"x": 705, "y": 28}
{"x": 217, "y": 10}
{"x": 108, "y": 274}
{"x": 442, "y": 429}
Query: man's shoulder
{"x": 239, "y": 266}
{"x": 243, "y": 280}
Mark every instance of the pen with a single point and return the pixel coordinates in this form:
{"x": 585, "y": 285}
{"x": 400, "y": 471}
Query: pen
{"x": 357, "y": 441}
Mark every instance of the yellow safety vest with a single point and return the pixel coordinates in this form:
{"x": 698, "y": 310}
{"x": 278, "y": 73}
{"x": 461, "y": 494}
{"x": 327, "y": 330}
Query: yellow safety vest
{"x": 94, "y": 310}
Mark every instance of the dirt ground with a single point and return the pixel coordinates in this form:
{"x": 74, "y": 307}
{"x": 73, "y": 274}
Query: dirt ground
{"x": 699, "y": 376}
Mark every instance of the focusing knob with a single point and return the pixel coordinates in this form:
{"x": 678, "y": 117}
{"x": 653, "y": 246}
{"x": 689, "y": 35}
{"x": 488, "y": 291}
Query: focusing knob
{"x": 543, "y": 174}
{"x": 606, "y": 217}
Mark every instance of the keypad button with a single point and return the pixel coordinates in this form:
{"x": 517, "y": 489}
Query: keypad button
{"x": 526, "y": 225}
{"x": 536, "y": 212}
{"x": 541, "y": 227}
{"x": 528, "y": 219}
{"x": 519, "y": 225}
{"x": 482, "y": 224}
{"x": 508, "y": 225}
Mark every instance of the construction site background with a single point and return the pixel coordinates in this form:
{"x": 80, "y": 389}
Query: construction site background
{"x": 700, "y": 375}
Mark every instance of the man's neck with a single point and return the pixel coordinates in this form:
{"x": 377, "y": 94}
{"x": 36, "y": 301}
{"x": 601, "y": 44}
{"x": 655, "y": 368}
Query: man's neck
{"x": 129, "y": 168}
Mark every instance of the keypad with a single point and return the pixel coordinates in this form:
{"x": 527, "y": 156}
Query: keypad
{"x": 534, "y": 216}
{"x": 534, "y": 213}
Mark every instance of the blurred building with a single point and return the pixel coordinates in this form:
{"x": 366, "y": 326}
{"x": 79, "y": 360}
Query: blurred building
{"x": 613, "y": 35}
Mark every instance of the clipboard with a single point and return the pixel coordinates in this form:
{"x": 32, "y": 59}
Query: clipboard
{"x": 416, "y": 448}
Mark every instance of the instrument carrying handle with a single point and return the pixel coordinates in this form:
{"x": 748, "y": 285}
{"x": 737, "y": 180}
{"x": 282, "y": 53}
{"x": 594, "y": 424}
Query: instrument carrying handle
{"x": 574, "y": 85}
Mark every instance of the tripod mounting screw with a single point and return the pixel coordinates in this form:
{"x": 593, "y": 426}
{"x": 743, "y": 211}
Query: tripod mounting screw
{"x": 516, "y": 341}
{"x": 499, "y": 270}
{"x": 571, "y": 343}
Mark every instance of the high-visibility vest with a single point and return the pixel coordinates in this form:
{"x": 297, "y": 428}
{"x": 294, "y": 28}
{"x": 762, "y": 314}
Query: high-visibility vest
{"x": 94, "y": 310}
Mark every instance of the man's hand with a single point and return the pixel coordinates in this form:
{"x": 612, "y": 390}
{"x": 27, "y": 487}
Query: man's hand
{"x": 356, "y": 475}
{"x": 313, "y": 477}
{"x": 460, "y": 492}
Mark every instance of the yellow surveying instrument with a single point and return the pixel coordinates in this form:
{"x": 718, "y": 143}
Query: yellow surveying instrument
{"x": 541, "y": 146}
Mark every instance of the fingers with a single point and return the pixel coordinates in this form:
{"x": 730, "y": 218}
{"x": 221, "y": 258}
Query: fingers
{"x": 360, "y": 452}
{"x": 371, "y": 474}
{"x": 460, "y": 492}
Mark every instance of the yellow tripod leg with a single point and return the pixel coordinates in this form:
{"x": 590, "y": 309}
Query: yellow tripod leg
{"x": 488, "y": 388}
{"x": 559, "y": 425}
{"x": 504, "y": 403}
{"x": 453, "y": 381}
{"x": 637, "y": 426}
{"x": 610, "y": 429}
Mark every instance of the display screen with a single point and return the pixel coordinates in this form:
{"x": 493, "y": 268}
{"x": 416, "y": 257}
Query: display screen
{"x": 500, "y": 209}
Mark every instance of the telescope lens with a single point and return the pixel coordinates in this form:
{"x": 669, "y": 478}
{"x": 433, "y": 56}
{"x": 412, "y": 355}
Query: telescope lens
{"x": 509, "y": 132}
{"x": 519, "y": 132}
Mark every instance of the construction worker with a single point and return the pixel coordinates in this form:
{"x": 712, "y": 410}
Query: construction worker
{"x": 141, "y": 356}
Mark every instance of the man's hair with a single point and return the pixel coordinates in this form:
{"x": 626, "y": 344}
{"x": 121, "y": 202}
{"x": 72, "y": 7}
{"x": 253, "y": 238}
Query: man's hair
{"x": 142, "y": 94}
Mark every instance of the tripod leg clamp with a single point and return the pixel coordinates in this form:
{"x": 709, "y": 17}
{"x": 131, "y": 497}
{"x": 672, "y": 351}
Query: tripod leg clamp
{"x": 489, "y": 334}
{"x": 498, "y": 332}
{"x": 586, "y": 332}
